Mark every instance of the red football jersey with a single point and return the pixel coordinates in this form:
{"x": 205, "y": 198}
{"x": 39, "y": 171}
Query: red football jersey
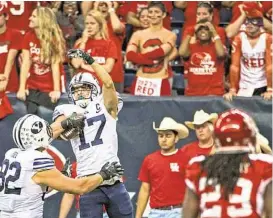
{"x": 10, "y": 39}
{"x": 19, "y": 14}
{"x": 247, "y": 198}
{"x": 165, "y": 174}
{"x": 40, "y": 77}
{"x": 205, "y": 71}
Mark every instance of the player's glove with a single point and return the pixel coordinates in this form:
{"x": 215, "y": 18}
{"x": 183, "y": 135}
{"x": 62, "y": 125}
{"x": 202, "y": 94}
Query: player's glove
{"x": 67, "y": 168}
{"x": 73, "y": 121}
{"x": 78, "y": 53}
{"x": 110, "y": 170}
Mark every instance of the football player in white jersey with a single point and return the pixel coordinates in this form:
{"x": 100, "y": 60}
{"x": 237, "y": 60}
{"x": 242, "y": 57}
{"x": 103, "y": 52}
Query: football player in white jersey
{"x": 97, "y": 143}
{"x": 28, "y": 170}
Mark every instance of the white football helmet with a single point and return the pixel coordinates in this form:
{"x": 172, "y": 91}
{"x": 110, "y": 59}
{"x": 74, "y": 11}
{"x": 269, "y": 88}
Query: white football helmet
{"x": 32, "y": 132}
{"x": 80, "y": 80}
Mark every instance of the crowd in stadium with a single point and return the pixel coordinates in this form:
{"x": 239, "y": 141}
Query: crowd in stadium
{"x": 174, "y": 48}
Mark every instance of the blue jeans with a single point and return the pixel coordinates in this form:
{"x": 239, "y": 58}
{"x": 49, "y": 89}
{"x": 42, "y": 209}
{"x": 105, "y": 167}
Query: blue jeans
{"x": 115, "y": 198}
{"x": 174, "y": 213}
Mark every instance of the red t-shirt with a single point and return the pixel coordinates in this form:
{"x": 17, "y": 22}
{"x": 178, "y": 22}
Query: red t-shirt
{"x": 190, "y": 14}
{"x": 192, "y": 150}
{"x": 100, "y": 50}
{"x": 205, "y": 72}
{"x": 10, "y": 39}
{"x": 19, "y": 14}
{"x": 165, "y": 174}
{"x": 5, "y": 106}
{"x": 122, "y": 10}
{"x": 40, "y": 77}
{"x": 117, "y": 73}
{"x": 136, "y": 6}
{"x": 247, "y": 198}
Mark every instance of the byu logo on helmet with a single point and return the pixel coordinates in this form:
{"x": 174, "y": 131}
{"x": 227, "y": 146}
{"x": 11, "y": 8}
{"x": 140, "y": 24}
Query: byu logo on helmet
{"x": 37, "y": 127}
{"x": 83, "y": 89}
{"x": 31, "y": 132}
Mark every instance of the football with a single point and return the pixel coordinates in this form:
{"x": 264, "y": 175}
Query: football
{"x": 70, "y": 134}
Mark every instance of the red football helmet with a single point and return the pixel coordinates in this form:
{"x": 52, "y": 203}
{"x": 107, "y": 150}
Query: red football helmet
{"x": 235, "y": 131}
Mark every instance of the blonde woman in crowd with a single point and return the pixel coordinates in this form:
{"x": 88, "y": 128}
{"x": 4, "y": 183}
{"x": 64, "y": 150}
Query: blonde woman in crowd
{"x": 43, "y": 53}
{"x": 95, "y": 42}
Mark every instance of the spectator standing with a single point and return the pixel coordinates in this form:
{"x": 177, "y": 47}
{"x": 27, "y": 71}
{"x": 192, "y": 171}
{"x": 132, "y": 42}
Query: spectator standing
{"x": 10, "y": 44}
{"x": 203, "y": 125}
{"x": 251, "y": 64}
{"x": 242, "y": 9}
{"x": 95, "y": 41}
{"x": 205, "y": 58}
{"x": 204, "y": 11}
{"x": 162, "y": 173}
{"x": 20, "y": 11}
{"x": 43, "y": 54}
{"x": 71, "y": 22}
{"x": 116, "y": 33}
{"x": 190, "y": 11}
{"x": 136, "y": 6}
{"x": 151, "y": 49}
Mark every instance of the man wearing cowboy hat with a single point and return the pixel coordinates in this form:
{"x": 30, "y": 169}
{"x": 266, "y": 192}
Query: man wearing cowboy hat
{"x": 162, "y": 173}
{"x": 203, "y": 125}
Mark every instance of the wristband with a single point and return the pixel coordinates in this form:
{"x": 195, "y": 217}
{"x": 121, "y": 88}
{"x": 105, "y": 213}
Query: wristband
{"x": 216, "y": 37}
{"x": 111, "y": 10}
{"x": 269, "y": 89}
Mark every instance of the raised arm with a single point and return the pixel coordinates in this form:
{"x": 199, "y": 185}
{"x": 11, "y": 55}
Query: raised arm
{"x": 108, "y": 88}
{"x": 26, "y": 64}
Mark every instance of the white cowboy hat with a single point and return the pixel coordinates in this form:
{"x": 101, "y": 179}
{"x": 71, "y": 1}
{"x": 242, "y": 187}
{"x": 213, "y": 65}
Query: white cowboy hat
{"x": 170, "y": 124}
{"x": 201, "y": 117}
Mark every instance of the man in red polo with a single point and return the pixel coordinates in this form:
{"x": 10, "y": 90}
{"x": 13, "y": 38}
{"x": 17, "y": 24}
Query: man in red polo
{"x": 162, "y": 173}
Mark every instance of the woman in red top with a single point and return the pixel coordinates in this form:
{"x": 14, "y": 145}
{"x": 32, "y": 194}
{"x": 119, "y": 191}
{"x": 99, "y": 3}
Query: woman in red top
{"x": 43, "y": 52}
{"x": 95, "y": 41}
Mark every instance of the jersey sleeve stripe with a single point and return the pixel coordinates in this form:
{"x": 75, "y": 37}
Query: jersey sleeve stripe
{"x": 49, "y": 166}
{"x": 190, "y": 185}
{"x": 43, "y": 163}
{"x": 197, "y": 159}
{"x": 260, "y": 194}
{"x": 43, "y": 158}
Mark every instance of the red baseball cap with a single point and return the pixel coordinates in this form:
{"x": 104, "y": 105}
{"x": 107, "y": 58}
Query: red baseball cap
{"x": 3, "y": 7}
